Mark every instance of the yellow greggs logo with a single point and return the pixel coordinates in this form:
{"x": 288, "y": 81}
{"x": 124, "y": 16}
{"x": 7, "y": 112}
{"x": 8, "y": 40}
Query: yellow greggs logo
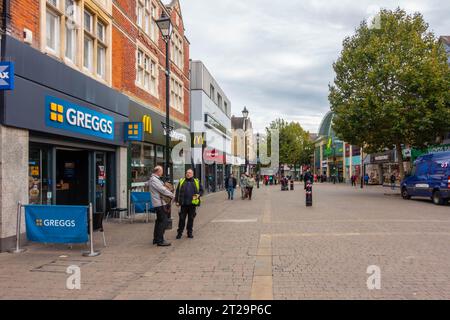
{"x": 147, "y": 121}
{"x": 56, "y": 112}
{"x": 133, "y": 129}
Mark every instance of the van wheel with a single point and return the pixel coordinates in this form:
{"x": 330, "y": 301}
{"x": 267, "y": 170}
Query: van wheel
{"x": 405, "y": 194}
{"x": 437, "y": 200}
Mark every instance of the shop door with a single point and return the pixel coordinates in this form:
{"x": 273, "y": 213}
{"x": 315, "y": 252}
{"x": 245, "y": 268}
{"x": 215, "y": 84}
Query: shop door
{"x": 100, "y": 182}
{"x": 40, "y": 189}
{"x": 72, "y": 177}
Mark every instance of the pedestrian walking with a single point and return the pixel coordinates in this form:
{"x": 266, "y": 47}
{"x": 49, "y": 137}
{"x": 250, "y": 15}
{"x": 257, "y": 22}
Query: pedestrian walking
{"x": 160, "y": 200}
{"x": 393, "y": 180}
{"x": 251, "y": 182}
{"x": 366, "y": 179}
{"x": 187, "y": 196}
{"x": 243, "y": 186}
{"x": 230, "y": 185}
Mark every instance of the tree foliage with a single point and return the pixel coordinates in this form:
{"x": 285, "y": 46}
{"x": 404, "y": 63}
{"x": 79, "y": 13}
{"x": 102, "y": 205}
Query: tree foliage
{"x": 295, "y": 144}
{"x": 392, "y": 85}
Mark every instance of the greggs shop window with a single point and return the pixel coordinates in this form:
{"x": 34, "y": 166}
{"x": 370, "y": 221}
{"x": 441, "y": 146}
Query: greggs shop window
{"x": 39, "y": 183}
{"x": 142, "y": 164}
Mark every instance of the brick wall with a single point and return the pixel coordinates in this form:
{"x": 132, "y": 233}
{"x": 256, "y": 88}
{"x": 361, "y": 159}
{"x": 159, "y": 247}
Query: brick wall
{"x": 26, "y": 14}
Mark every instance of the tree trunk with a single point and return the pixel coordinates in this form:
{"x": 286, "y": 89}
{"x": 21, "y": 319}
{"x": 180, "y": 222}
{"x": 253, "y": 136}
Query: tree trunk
{"x": 400, "y": 161}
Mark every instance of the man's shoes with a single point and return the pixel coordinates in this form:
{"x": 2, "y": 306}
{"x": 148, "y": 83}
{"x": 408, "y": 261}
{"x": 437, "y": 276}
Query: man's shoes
{"x": 164, "y": 244}
{"x": 190, "y": 236}
{"x": 155, "y": 242}
{"x": 179, "y": 236}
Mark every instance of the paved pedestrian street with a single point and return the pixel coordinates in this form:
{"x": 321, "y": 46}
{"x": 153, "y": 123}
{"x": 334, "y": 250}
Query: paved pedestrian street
{"x": 270, "y": 248}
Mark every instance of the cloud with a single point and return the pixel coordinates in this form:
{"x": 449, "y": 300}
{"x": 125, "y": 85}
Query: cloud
{"x": 276, "y": 57}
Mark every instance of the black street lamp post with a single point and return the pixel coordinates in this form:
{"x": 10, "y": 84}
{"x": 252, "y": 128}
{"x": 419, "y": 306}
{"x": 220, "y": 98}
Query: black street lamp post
{"x": 245, "y": 115}
{"x": 258, "y": 166}
{"x": 165, "y": 26}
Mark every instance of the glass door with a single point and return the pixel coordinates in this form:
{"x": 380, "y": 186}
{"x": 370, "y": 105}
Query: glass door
{"x": 39, "y": 176}
{"x": 100, "y": 182}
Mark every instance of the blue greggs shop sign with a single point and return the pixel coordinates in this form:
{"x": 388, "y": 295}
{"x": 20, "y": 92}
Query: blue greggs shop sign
{"x": 61, "y": 114}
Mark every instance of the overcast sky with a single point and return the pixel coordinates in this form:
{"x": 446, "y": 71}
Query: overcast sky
{"x": 275, "y": 57}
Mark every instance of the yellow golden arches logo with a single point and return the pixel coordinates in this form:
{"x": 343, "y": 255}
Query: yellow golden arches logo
{"x": 147, "y": 121}
{"x": 199, "y": 140}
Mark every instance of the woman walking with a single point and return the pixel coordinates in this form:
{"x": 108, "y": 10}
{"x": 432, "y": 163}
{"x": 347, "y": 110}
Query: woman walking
{"x": 251, "y": 182}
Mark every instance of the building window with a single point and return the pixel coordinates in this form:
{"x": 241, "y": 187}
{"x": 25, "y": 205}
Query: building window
{"x": 88, "y": 53}
{"x": 226, "y": 107}
{"x": 101, "y": 49}
{"x": 177, "y": 50}
{"x": 146, "y": 73}
{"x": 95, "y": 46}
{"x": 212, "y": 92}
{"x": 176, "y": 95}
{"x": 76, "y": 35}
{"x": 219, "y": 100}
{"x": 71, "y": 28}
{"x": 53, "y": 26}
{"x": 146, "y": 18}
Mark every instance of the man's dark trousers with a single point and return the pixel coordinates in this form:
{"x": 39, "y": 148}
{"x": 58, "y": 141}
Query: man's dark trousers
{"x": 160, "y": 225}
{"x": 190, "y": 213}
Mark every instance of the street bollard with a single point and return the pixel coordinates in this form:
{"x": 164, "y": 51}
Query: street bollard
{"x": 91, "y": 253}
{"x": 292, "y": 185}
{"x": 309, "y": 194}
{"x": 19, "y": 215}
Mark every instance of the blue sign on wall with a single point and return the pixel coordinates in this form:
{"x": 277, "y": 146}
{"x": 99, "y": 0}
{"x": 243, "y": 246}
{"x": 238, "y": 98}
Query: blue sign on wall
{"x": 56, "y": 224}
{"x": 61, "y": 114}
{"x": 6, "y": 75}
{"x": 134, "y": 131}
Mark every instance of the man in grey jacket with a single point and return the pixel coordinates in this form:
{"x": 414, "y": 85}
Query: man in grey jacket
{"x": 158, "y": 191}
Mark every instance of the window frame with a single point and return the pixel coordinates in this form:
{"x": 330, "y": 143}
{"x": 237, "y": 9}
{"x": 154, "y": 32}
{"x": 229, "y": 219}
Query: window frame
{"x": 146, "y": 68}
{"x": 72, "y": 32}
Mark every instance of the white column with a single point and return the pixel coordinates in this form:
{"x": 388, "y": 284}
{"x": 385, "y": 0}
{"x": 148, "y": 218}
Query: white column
{"x": 14, "y": 158}
{"x": 121, "y": 174}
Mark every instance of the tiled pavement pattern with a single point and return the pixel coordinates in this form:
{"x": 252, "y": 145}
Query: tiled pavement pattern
{"x": 272, "y": 247}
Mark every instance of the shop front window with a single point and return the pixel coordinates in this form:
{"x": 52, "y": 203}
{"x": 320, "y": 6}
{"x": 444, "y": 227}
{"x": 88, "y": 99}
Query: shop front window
{"x": 39, "y": 183}
{"x": 142, "y": 164}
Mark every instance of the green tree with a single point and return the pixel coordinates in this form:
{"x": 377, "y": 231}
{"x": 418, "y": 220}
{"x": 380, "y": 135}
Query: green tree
{"x": 295, "y": 145}
{"x": 392, "y": 85}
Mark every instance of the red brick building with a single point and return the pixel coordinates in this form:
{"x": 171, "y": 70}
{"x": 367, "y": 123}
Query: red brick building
{"x": 139, "y": 63}
{"x": 136, "y": 37}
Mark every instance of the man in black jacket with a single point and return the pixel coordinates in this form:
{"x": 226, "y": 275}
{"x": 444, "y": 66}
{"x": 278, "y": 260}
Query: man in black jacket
{"x": 187, "y": 196}
{"x": 230, "y": 185}
{"x": 308, "y": 177}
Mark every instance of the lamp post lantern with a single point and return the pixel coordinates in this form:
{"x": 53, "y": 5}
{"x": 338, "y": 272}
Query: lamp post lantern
{"x": 165, "y": 26}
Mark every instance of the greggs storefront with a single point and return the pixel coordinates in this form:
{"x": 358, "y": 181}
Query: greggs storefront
{"x": 62, "y": 138}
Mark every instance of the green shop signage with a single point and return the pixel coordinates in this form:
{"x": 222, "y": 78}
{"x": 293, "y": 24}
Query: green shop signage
{"x": 415, "y": 153}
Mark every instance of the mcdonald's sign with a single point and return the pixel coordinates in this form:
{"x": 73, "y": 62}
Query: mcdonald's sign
{"x": 198, "y": 140}
{"x": 147, "y": 124}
